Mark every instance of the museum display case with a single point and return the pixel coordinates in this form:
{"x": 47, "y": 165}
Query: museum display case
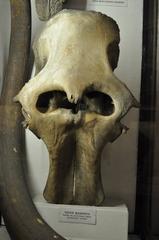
{"x": 79, "y": 120}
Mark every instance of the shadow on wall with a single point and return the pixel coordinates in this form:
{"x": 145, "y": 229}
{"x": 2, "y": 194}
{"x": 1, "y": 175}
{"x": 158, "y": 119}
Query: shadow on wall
{"x": 76, "y": 4}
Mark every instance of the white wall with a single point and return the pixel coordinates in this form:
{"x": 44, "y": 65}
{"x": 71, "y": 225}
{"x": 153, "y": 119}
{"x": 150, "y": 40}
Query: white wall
{"x": 120, "y": 158}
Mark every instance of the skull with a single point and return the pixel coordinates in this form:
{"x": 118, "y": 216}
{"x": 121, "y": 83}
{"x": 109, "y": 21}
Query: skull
{"x": 75, "y": 102}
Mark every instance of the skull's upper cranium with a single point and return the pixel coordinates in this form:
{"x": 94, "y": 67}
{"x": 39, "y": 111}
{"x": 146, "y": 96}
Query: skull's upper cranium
{"x": 75, "y": 102}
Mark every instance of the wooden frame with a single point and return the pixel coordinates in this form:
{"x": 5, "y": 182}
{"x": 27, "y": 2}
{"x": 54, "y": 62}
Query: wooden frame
{"x": 143, "y": 223}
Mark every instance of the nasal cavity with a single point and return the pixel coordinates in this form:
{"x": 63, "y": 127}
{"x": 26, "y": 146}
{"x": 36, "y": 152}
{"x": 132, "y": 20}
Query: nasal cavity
{"x": 99, "y": 103}
{"x": 52, "y": 100}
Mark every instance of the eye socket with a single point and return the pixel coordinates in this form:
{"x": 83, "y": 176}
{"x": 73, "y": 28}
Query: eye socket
{"x": 100, "y": 103}
{"x": 52, "y": 100}
{"x": 43, "y": 101}
{"x": 113, "y": 54}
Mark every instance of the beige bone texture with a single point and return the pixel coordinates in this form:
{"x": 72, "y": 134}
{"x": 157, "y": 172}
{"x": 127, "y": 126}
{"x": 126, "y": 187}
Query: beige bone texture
{"x": 75, "y": 103}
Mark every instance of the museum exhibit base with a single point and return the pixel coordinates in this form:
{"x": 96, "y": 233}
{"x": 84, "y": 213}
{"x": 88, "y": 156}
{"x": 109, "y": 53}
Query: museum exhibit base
{"x": 86, "y": 222}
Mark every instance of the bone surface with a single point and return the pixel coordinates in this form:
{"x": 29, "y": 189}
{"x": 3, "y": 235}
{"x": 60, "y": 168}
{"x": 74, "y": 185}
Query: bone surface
{"x": 75, "y": 102}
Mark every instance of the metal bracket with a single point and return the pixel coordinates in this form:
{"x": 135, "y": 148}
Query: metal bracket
{"x": 48, "y": 8}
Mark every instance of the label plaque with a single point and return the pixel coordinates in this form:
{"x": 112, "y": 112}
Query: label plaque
{"x": 78, "y": 215}
{"x": 114, "y": 3}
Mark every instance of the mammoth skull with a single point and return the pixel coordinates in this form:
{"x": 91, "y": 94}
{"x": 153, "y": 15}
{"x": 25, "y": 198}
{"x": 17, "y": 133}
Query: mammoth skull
{"x": 75, "y": 103}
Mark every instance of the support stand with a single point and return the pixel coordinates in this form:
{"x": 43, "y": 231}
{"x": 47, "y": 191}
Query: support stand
{"x": 85, "y": 222}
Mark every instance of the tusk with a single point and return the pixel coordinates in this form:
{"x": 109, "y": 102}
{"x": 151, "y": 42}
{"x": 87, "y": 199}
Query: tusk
{"x": 20, "y": 215}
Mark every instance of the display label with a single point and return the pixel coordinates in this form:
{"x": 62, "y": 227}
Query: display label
{"x": 78, "y": 215}
{"x": 114, "y": 3}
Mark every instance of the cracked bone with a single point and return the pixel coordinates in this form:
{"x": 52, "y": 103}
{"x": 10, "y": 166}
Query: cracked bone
{"x": 75, "y": 103}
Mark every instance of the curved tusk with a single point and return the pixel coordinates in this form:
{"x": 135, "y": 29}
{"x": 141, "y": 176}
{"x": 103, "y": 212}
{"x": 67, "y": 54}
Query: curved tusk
{"x": 20, "y": 215}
